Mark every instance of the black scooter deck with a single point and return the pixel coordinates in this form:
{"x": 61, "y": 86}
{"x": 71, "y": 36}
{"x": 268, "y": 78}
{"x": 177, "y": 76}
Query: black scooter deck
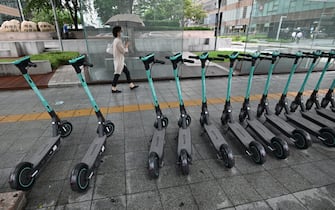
{"x": 184, "y": 140}
{"x": 157, "y": 142}
{"x": 241, "y": 133}
{"x": 215, "y": 136}
{"x": 261, "y": 130}
{"x": 44, "y": 150}
{"x": 326, "y": 113}
{"x": 280, "y": 124}
{"x": 94, "y": 150}
{"x": 318, "y": 119}
{"x": 305, "y": 124}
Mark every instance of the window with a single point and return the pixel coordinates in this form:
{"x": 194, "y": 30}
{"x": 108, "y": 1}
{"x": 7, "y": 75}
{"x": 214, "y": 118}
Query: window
{"x": 244, "y": 12}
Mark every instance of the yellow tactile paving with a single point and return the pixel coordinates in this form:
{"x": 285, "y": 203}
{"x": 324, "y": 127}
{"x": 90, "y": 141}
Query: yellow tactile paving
{"x": 136, "y": 107}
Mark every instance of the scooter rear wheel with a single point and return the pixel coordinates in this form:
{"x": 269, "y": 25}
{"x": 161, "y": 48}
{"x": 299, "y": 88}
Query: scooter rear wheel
{"x": 20, "y": 178}
{"x": 185, "y": 169}
{"x": 329, "y": 135}
{"x": 302, "y": 139}
{"x": 79, "y": 180}
{"x": 280, "y": 148}
{"x": 109, "y": 128}
{"x": 257, "y": 152}
{"x": 65, "y": 128}
{"x": 153, "y": 163}
{"x": 227, "y": 156}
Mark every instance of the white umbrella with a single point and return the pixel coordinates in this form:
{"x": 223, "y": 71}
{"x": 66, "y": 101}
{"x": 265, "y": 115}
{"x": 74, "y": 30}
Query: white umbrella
{"x": 127, "y": 20}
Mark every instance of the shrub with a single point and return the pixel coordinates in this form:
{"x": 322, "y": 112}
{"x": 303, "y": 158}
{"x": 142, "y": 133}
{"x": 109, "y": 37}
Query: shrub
{"x": 56, "y": 58}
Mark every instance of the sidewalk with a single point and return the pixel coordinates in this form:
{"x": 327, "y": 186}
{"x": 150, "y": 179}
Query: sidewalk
{"x": 305, "y": 180}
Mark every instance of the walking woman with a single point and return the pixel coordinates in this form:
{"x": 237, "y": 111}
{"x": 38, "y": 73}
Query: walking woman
{"x": 119, "y": 65}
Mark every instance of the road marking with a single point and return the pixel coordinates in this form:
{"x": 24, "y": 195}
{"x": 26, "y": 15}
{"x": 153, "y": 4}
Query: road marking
{"x": 138, "y": 107}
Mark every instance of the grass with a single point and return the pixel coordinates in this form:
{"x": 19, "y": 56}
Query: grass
{"x": 255, "y": 38}
{"x": 214, "y": 54}
{"x": 56, "y": 58}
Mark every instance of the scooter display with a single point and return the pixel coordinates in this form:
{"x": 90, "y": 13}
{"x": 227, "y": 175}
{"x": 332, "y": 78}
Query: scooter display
{"x": 184, "y": 149}
{"x": 224, "y": 152}
{"x": 83, "y": 172}
{"x": 24, "y": 174}
{"x": 252, "y": 148}
{"x": 324, "y": 134}
{"x": 156, "y": 152}
{"x": 301, "y": 139}
{"x": 269, "y": 140}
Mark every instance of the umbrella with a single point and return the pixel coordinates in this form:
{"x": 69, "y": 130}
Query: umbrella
{"x": 128, "y": 20}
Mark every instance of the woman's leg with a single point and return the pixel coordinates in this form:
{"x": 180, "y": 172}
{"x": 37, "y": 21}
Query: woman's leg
{"x": 114, "y": 83}
{"x": 127, "y": 73}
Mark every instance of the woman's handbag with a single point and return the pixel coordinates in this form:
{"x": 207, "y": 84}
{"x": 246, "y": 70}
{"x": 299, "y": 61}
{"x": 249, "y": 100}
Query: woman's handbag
{"x": 109, "y": 48}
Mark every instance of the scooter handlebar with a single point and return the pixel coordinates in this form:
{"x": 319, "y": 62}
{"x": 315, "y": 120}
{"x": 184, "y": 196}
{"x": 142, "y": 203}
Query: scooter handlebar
{"x": 159, "y": 61}
{"x": 223, "y": 56}
{"x": 31, "y": 64}
{"x": 194, "y": 57}
{"x": 187, "y": 60}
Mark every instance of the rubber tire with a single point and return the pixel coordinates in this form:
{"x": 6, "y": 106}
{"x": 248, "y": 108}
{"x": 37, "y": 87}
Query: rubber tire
{"x": 165, "y": 122}
{"x": 188, "y": 120}
{"x": 241, "y": 117}
{"x": 258, "y": 152}
{"x": 184, "y": 164}
{"x": 227, "y": 156}
{"x": 180, "y": 122}
{"x": 294, "y": 106}
{"x": 110, "y": 126}
{"x": 79, "y": 173}
{"x": 278, "y": 109}
{"x": 260, "y": 110}
{"x": 223, "y": 118}
{"x": 68, "y": 128}
{"x": 153, "y": 165}
{"x": 302, "y": 139}
{"x": 281, "y": 146}
{"x": 156, "y": 124}
{"x": 309, "y": 104}
{"x": 324, "y": 102}
{"x": 202, "y": 121}
{"x": 329, "y": 135}
{"x": 15, "y": 178}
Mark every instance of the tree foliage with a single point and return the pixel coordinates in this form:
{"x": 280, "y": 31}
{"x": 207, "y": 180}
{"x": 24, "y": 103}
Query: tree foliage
{"x": 109, "y": 8}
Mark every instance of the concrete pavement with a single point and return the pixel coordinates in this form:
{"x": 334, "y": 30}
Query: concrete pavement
{"x": 305, "y": 180}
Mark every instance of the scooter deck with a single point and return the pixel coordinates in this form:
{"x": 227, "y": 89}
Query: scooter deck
{"x": 94, "y": 151}
{"x": 157, "y": 142}
{"x": 318, "y": 119}
{"x": 215, "y": 136}
{"x": 44, "y": 150}
{"x": 326, "y": 113}
{"x": 261, "y": 130}
{"x": 305, "y": 124}
{"x": 184, "y": 140}
{"x": 241, "y": 133}
{"x": 280, "y": 124}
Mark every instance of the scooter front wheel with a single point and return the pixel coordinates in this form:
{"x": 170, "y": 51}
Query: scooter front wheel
{"x": 324, "y": 102}
{"x": 302, "y": 140}
{"x": 278, "y": 109}
{"x": 328, "y": 135}
{"x": 153, "y": 163}
{"x": 79, "y": 180}
{"x": 257, "y": 152}
{"x": 227, "y": 156}
{"x": 260, "y": 110}
{"x": 309, "y": 104}
{"x": 280, "y": 146}
{"x": 21, "y": 178}
{"x": 65, "y": 128}
{"x": 184, "y": 163}
{"x": 109, "y": 128}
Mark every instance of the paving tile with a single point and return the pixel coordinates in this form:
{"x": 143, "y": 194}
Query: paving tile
{"x": 144, "y": 200}
{"x": 206, "y": 151}
{"x": 56, "y": 171}
{"x": 137, "y": 144}
{"x": 136, "y": 159}
{"x": 11, "y": 159}
{"x": 177, "y": 198}
{"x": 78, "y": 206}
{"x": 218, "y": 169}
{"x": 4, "y": 176}
{"x": 246, "y": 166}
{"x": 208, "y": 195}
{"x": 44, "y": 194}
{"x": 116, "y": 203}
{"x": 138, "y": 180}
{"x": 285, "y": 202}
{"x": 170, "y": 176}
{"x": 259, "y": 205}
{"x": 199, "y": 172}
{"x": 266, "y": 185}
{"x": 313, "y": 174}
{"x": 67, "y": 196}
{"x": 107, "y": 185}
{"x": 112, "y": 163}
{"x": 326, "y": 166}
{"x": 312, "y": 154}
{"x": 327, "y": 151}
{"x": 291, "y": 180}
{"x": 239, "y": 190}
{"x": 315, "y": 199}
{"x": 114, "y": 146}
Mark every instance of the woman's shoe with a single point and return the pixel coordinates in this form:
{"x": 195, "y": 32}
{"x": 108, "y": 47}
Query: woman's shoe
{"x": 116, "y": 91}
{"x": 135, "y": 86}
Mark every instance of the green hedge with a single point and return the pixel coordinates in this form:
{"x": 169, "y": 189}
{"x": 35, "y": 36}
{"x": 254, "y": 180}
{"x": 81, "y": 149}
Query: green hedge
{"x": 56, "y": 58}
{"x": 197, "y": 28}
{"x": 150, "y": 23}
{"x": 214, "y": 54}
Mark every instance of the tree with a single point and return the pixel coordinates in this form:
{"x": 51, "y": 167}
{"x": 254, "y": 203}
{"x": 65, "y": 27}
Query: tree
{"x": 108, "y": 8}
{"x": 47, "y": 16}
{"x": 193, "y": 11}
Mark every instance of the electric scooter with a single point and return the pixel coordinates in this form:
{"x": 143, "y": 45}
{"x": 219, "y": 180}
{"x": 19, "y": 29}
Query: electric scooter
{"x": 156, "y": 152}
{"x": 184, "y": 150}
{"x": 325, "y": 134}
{"x": 251, "y": 147}
{"x": 83, "y": 172}
{"x": 24, "y": 174}
{"x": 269, "y": 140}
{"x": 301, "y": 139}
{"x": 218, "y": 141}
{"x": 329, "y": 98}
